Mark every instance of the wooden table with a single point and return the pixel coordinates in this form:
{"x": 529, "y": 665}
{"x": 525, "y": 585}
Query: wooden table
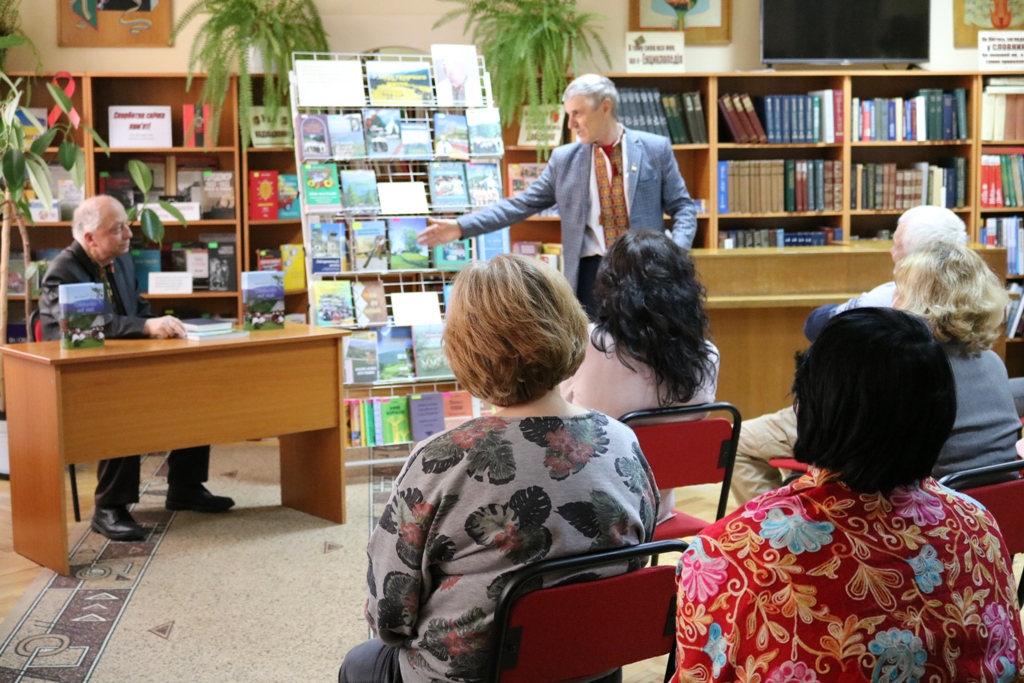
{"x": 139, "y": 396}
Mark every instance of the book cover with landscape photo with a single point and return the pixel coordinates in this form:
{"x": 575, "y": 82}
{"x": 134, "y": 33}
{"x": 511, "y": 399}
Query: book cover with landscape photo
{"x": 394, "y": 353}
{"x": 346, "y": 131}
{"x": 448, "y": 184}
{"x": 327, "y": 248}
{"x": 428, "y": 353}
{"x": 82, "y": 309}
{"x": 451, "y": 136}
{"x": 371, "y": 251}
{"x": 485, "y": 132}
{"x": 406, "y": 252}
{"x": 484, "y": 182}
{"x": 383, "y": 132}
{"x": 263, "y": 300}
{"x": 360, "y": 350}
{"x": 404, "y": 82}
{"x": 360, "y": 190}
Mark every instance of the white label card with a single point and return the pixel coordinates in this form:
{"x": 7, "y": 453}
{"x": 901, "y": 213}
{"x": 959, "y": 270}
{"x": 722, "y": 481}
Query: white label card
{"x": 415, "y": 308}
{"x": 1000, "y": 50}
{"x": 402, "y": 198}
{"x": 174, "y": 282}
{"x": 654, "y": 52}
{"x": 330, "y": 83}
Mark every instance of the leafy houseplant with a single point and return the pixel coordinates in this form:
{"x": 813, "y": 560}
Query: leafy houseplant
{"x": 276, "y": 28}
{"x": 523, "y": 38}
{"x": 10, "y": 25}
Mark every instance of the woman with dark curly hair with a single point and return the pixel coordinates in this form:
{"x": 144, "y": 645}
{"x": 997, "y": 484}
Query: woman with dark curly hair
{"x": 648, "y": 347}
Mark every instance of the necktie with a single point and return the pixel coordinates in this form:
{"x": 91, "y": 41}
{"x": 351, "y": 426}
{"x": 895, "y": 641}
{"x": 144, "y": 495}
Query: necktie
{"x": 614, "y": 218}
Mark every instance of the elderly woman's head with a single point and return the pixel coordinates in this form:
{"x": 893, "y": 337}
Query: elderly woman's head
{"x": 514, "y": 329}
{"x": 875, "y": 399}
{"x": 951, "y": 287}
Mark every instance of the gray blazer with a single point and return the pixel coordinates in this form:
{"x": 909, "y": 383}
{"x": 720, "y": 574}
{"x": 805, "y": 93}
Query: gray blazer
{"x": 655, "y": 188}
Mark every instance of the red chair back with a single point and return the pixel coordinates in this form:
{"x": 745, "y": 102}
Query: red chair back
{"x": 582, "y": 629}
{"x": 689, "y": 452}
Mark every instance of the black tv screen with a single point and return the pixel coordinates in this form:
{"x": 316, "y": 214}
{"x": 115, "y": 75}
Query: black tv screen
{"x": 844, "y": 31}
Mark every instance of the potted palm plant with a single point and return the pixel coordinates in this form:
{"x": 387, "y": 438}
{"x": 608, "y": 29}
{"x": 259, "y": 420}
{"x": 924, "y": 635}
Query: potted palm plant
{"x": 223, "y": 44}
{"x": 531, "y": 47}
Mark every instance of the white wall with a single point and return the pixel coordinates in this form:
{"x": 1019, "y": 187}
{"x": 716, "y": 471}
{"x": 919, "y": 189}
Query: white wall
{"x": 358, "y": 25}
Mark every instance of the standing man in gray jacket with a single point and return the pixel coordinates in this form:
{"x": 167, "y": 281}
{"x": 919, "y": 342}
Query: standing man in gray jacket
{"x": 610, "y": 180}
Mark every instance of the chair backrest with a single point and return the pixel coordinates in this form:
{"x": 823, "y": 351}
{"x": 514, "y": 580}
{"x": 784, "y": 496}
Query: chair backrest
{"x": 685, "y": 452}
{"x": 1002, "y": 499}
{"x": 34, "y": 329}
{"x": 582, "y": 629}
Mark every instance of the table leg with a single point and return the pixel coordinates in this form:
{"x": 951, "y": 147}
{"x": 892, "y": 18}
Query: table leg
{"x": 313, "y": 473}
{"x": 38, "y": 516}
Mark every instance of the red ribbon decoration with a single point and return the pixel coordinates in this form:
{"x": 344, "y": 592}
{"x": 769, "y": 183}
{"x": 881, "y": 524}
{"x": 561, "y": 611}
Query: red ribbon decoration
{"x": 69, "y": 90}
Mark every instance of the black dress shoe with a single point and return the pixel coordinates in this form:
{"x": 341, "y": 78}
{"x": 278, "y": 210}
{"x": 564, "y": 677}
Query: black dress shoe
{"x": 196, "y": 498}
{"x": 116, "y": 523}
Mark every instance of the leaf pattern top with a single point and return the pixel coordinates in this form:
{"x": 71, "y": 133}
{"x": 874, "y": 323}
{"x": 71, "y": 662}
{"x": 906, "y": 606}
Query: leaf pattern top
{"x": 474, "y": 504}
{"x": 814, "y": 582}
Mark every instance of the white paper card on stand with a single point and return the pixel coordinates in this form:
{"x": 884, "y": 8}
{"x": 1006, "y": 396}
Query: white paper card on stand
{"x": 139, "y": 127}
{"x": 190, "y": 210}
{"x": 399, "y": 198}
{"x": 174, "y": 282}
{"x": 415, "y": 308}
{"x": 1000, "y": 50}
{"x": 330, "y": 83}
{"x": 654, "y": 52}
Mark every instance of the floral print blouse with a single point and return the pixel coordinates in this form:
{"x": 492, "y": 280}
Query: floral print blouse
{"x": 814, "y": 582}
{"x": 474, "y": 504}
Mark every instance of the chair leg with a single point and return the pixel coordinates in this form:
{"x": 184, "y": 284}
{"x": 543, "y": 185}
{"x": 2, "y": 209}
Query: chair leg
{"x": 654, "y": 560}
{"x": 1020, "y": 592}
{"x": 670, "y": 669}
{"x": 74, "y": 493}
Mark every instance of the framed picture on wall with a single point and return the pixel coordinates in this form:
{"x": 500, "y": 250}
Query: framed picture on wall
{"x": 114, "y": 23}
{"x": 971, "y": 16}
{"x": 706, "y": 22}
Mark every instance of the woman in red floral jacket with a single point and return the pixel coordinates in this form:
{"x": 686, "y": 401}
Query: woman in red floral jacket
{"x": 865, "y": 569}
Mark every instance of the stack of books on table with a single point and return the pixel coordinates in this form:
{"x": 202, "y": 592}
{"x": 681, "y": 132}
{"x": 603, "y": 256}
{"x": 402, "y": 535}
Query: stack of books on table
{"x": 208, "y": 329}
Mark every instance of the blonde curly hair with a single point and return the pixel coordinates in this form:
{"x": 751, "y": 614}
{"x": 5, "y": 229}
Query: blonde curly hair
{"x": 953, "y": 289}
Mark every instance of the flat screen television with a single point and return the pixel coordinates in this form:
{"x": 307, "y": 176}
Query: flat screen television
{"x": 844, "y": 31}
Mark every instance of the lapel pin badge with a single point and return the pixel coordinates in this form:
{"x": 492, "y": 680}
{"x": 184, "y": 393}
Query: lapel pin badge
{"x": 632, "y": 169}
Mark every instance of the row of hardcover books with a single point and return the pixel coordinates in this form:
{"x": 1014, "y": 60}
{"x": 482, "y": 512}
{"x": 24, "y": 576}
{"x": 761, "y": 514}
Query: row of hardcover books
{"x": 887, "y": 187}
{"x": 926, "y": 114}
{"x": 765, "y": 238}
{"x": 401, "y": 419}
{"x": 1006, "y": 231}
{"x": 779, "y": 185}
{"x": 782, "y": 119}
{"x": 1001, "y": 179}
{"x": 1002, "y": 108}
{"x": 389, "y": 134}
{"x": 452, "y": 185}
{"x": 679, "y": 117}
{"x": 395, "y": 353}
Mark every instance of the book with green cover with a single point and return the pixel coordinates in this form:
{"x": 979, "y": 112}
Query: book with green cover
{"x": 428, "y": 353}
{"x": 452, "y": 256}
{"x": 263, "y": 300}
{"x": 394, "y": 353}
{"x": 395, "y": 414}
{"x": 321, "y": 186}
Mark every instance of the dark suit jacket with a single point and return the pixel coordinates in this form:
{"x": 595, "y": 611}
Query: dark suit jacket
{"x": 73, "y": 266}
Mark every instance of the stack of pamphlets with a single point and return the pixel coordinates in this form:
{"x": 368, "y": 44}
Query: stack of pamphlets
{"x": 208, "y": 329}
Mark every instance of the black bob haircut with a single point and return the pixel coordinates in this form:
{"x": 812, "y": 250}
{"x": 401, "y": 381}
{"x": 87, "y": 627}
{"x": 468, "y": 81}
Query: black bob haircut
{"x": 651, "y": 305}
{"x": 875, "y": 399}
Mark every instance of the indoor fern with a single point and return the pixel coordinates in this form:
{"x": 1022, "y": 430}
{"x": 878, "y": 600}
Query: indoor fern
{"x": 276, "y": 28}
{"x": 524, "y": 39}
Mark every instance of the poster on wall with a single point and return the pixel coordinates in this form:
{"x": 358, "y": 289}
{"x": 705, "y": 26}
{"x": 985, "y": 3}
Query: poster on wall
{"x": 706, "y": 22}
{"x": 114, "y": 23}
{"x": 971, "y": 16}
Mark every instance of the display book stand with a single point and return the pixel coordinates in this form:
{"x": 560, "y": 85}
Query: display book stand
{"x": 386, "y": 169}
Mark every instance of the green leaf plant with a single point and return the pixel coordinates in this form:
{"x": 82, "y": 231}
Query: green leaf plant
{"x": 530, "y": 47}
{"x": 150, "y": 222}
{"x": 221, "y": 47}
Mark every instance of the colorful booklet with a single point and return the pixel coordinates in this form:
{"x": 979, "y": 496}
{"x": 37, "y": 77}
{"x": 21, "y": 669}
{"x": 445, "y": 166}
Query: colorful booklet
{"x": 428, "y": 353}
{"x": 371, "y": 250}
{"x": 315, "y": 137}
{"x": 448, "y": 184}
{"x": 383, "y": 132}
{"x": 404, "y": 82}
{"x": 452, "y": 256}
{"x": 288, "y": 196}
{"x": 333, "y": 300}
{"x": 490, "y": 244}
{"x": 406, "y": 252}
{"x": 394, "y": 353}
{"x": 395, "y": 416}
{"x": 370, "y": 302}
{"x": 322, "y": 186}
{"x": 485, "y": 132}
{"x": 484, "y": 181}
{"x": 360, "y": 350}
{"x": 327, "y": 247}
{"x": 426, "y": 415}
{"x": 416, "y": 140}
{"x": 263, "y": 300}
{"x": 457, "y": 74}
{"x": 360, "y": 189}
{"x": 346, "y": 131}
{"x": 451, "y": 136}
{"x": 82, "y": 318}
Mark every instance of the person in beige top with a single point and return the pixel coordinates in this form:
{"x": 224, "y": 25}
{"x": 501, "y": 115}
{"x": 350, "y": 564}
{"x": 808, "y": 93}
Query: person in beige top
{"x": 648, "y": 347}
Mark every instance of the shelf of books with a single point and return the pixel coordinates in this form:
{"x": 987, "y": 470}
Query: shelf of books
{"x": 382, "y": 142}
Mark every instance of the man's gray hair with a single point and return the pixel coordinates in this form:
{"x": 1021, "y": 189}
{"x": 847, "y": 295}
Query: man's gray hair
{"x": 89, "y": 215}
{"x": 596, "y": 89}
{"x": 924, "y": 225}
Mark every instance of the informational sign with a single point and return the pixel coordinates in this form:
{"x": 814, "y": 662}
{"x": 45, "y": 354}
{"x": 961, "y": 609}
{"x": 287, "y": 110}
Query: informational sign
{"x": 170, "y": 283}
{"x": 654, "y": 52}
{"x": 140, "y": 127}
{"x": 1000, "y": 50}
